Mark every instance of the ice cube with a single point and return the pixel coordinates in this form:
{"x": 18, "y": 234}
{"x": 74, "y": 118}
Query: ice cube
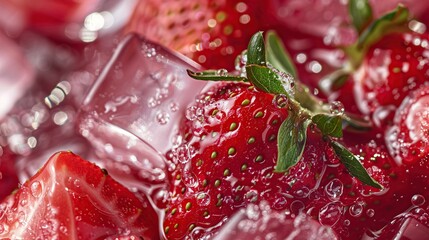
{"x": 133, "y": 111}
{"x": 143, "y": 92}
{"x": 260, "y": 222}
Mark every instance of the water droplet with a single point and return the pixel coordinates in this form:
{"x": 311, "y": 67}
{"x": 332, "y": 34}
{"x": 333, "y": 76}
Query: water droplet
{"x": 334, "y": 188}
{"x": 148, "y": 51}
{"x": 203, "y": 199}
{"x": 23, "y": 202}
{"x": 63, "y": 229}
{"x": 356, "y": 209}
{"x": 288, "y": 82}
{"x": 336, "y": 108}
{"x": 193, "y": 112}
{"x": 21, "y": 217}
{"x": 296, "y": 207}
{"x": 163, "y": 118}
{"x": 76, "y": 183}
{"x": 330, "y": 214}
{"x": 240, "y": 63}
{"x": 174, "y": 107}
{"x": 78, "y": 218}
{"x": 182, "y": 154}
{"x": 418, "y": 200}
{"x": 36, "y": 189}
{"x": 370, "y": 212}
{"x": 222, "y": 72}
{"x": 280, "y": 100}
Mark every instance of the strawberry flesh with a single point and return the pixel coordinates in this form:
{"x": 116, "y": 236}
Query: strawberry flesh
{"x": 70, "y": 198}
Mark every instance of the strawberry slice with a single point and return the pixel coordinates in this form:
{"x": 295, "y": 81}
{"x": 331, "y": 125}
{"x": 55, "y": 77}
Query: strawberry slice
{"x": 70, "y": 198}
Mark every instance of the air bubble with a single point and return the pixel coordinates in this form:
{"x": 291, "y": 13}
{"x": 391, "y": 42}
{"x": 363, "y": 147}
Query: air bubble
{"x": 203, "y": 199}
{"x": 36, "y": 189}
{"x": 356, "y": 209}
{"x": 330, "y": 214}
{"x": 296, "y": 207}
{"x": 222, "y": 72}
{"x": 334, "y": 188}
{"x": 193, "y": 112}
{"x": 418, "y": 200}
{"x": 163, "y": 118}
{"x": 174, "y": 107}
{"x": 370, "y": 212}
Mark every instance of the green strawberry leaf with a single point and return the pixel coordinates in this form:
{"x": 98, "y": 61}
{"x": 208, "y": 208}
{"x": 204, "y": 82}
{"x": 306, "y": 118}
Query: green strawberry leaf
{"x": 329, "y": 125}
{"x": 292, "y": 137}
{"x": 353, "y": 165}
{"x": 215, "y": 75}
{"x": 267, "y": 80}
{"x": 361, "y": 14}
{"x": 256, "y": 50}
{"x": 277, "y": 54}
{"x": 395, "y": 21}
{"x": 385, "y": 24}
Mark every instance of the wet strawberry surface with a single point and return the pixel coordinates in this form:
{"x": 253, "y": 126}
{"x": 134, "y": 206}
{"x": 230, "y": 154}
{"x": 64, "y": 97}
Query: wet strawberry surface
{"x": 106, "y": 133}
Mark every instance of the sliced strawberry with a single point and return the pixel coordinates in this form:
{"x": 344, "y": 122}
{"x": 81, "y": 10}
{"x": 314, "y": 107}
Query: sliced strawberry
{"x": 392, "y": 68}
{"x": 70, "y": 198}
{"x": 211, "y": 32}
{"x": 228, "y": 159}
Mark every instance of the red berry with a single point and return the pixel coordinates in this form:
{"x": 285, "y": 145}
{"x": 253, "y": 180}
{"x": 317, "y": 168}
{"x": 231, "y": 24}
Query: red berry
{"x": 408, "y": 138}
{"x": 392, "y": 68}
{"x": 211, "y": 32}
{"x": 72, "y": 198}
{"x": 227, "y": 161}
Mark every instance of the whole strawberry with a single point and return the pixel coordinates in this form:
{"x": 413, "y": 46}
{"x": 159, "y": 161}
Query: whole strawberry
{"x": 211, "y": 32}
{"x": 227, "y": 161}
{"x": 243, "y": 143}
{"x": 408, "y": 137}
{"x": 392, "y": 68}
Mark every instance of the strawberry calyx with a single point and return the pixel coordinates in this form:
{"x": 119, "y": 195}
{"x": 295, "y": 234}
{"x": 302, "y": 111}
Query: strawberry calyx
{"x": 370, "y": 31}
{"x": 269, "y": 73}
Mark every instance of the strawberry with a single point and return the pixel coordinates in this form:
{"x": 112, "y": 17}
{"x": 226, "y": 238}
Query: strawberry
{"x": 353, "y": 209}
{"x": 70, "y": 198}
{"x": 408, "y": 137}
{"x": 392, "y": 68}
{"x": 258, "y": 222}
{"x": 228, "y": 159}
{"x": 8, "y": 175}
{"x": 205, "y": 31}
{"x": 246, "y": 143}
